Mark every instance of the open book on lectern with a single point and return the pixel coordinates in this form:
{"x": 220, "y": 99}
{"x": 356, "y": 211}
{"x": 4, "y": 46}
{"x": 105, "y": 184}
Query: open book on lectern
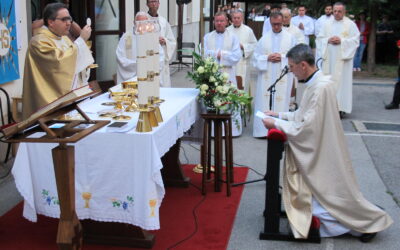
{"x": 73, "y": 96}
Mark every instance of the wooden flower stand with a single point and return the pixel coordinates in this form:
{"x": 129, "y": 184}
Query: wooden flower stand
{"x": 219, "y": 121}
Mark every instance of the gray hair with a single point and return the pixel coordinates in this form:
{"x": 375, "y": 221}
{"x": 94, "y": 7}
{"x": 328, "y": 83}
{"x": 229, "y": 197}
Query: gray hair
{"x": 51, "y": 11}
{"x": 301, "y": 52}
{"x": 284, "y": 10}
{"x": 275, "y": 15}
{"x": 340, "y": 4}
{"x": 236, "y": 12}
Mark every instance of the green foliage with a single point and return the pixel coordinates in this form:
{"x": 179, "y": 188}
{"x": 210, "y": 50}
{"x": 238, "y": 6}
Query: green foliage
{"x": 216, "y": 91}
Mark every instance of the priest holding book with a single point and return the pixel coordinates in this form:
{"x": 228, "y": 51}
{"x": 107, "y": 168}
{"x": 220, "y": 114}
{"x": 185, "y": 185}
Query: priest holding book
{"x": 318, "y": 177}
{"x": 54, "y": 65}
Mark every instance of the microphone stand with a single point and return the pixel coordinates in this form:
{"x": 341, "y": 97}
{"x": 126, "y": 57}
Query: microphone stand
{"x": 272, "y": 91}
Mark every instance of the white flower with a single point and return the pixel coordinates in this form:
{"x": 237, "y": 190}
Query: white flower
{"x": 203, "y": 87}
{"x": 219, "y": 89}
{"x": 225, "y": 89}
{"x": 202, "y": 92}
{"x": 215, "y": 68}
{"x": 217, "y": 103}
{"x": 212, "y": 79}
{"x": 200, "y": 70}
{"x": 225, "y": 76}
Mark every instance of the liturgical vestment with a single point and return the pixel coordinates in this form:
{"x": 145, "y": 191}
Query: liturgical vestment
{"x": 169, "y": 49}
{"x": 126, "y": 58}
{"x": 318, "y": 165}
{"x": 338, "y": 59}
{"x": 268, "y": 72}
{"x": 228, "y": 44}
{"x": 53, "y": 66}
{"x": 248, "y": 40}
{"x": 308, "y": 24}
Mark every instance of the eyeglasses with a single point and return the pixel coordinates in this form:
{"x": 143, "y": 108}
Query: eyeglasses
{"x": 64, "y": 19}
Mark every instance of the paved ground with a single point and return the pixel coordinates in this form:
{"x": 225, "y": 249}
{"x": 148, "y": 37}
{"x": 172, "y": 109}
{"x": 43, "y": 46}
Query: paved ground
{"x": 375, "y": 158}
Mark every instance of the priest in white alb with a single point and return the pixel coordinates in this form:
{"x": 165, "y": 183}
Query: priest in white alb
{"x": 304, "y": 23}
{"x": 224, "y": 47}
{"x": 167, "y": 41}
{"x": 126, "y": 53}
{"x": 318, "y": 178}
{"x": 247, "y": 41}
{"x": 339, "y": 40}
{"x": 54, "y": 65}
{"x": 269, "y": 59}
{"x": 319, "y": 24}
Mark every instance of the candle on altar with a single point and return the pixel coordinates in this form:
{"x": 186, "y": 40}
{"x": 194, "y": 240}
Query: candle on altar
{"x": 142, "y": 92}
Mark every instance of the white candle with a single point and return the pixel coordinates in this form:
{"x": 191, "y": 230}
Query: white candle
{"x": 143, "y": 42}
{"x": 156, "y": 86}
{"x": 143, "y": 92}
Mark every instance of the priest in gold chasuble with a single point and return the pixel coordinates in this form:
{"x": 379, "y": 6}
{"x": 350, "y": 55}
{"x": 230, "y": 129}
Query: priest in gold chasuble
{"x": 318, "y": 177}
{"x": 54, "y": 65}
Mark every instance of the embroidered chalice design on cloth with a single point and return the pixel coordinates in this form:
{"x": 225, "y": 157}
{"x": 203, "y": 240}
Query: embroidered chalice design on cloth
{"x": 86, "y": 196}
{"x": 152, "y": 203}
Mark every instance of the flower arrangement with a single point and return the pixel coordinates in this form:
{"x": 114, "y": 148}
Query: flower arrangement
{"x": 216, "y": 92}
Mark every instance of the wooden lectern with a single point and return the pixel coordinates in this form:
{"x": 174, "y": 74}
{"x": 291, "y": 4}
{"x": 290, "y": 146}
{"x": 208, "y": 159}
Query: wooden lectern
{"x": 272, "y": 212}
{"x": 69, "y": 235}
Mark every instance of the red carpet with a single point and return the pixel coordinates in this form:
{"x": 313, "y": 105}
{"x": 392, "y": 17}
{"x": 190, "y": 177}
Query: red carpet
{"x": 215, "y": 217}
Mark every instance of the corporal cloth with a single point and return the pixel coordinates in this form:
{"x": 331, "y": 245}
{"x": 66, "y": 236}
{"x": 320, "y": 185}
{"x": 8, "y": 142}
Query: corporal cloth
{"x": 268, "y": 72}
{"x": 318, "y": 164}
{"x": 248, "y": 40}
{"x": 228, "y": 44}
{"x": 308, "y": 24}
{"x": 169, "y": 49}
{"x": 126, "y": 58}
{"x": 338, "y": 59}
{"x": 53, "y": 66}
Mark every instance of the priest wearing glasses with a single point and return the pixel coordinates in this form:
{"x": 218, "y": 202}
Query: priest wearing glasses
{"x": 54, "y": 65}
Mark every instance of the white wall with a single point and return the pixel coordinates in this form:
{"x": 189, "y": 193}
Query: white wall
{"x": 129, "y": 14}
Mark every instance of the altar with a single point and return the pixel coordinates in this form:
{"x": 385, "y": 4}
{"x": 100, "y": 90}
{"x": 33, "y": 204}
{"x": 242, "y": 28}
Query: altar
{"x": 118, "y": 173}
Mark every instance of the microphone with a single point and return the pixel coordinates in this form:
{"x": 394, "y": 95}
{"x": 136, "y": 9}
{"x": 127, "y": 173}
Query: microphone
{"x": 284, "y": 71}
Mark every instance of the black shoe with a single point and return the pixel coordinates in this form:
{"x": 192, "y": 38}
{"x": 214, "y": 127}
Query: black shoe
{"x": 367, "y": 237}
{"x": 342, "y": 114}
{"x": 392, "y": 106}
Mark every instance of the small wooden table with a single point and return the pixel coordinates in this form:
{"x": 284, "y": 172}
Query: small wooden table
{"x": 219, "y": 121}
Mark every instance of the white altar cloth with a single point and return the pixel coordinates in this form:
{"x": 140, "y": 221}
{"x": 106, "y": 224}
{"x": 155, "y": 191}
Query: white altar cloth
{"x": 117, "y": 175}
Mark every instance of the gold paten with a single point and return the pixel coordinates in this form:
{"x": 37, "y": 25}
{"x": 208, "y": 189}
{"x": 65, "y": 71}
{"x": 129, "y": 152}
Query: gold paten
{"x": 109, "y": 103}
{"x": 122, "y": 118}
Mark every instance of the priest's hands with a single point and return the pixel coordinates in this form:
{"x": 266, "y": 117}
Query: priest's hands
{"x": 271, "y": 113}
{"x": 335, "y": 40}
{"x": 274, "y": 57}
{"x": 162, "y": 41}
{"x": 86, "y": 32}
{"x": 269, "y": 123}
{"x": 301, "y": 26}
